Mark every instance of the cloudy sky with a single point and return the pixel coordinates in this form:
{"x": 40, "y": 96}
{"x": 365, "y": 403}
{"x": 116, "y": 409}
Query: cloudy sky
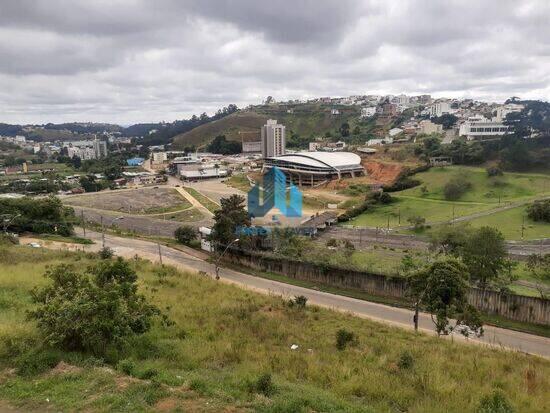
{"x": 132, "y": 61}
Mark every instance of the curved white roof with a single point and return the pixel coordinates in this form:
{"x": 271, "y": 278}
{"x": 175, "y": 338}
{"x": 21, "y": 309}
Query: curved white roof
{"x": 322, "y": 159}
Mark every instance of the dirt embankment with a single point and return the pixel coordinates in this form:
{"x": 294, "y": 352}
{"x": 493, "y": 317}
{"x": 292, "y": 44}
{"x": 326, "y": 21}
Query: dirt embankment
{"x": 382, "y": 172}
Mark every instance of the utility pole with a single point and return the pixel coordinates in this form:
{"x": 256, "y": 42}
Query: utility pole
{"x": 388, "y": 227}
{"x": 160, "y": 254}
{"x": 83, "y": 221}
{"x": 399, "y": 216}
{"x": 102, "y": 232}
{"x": 522, "y": 226}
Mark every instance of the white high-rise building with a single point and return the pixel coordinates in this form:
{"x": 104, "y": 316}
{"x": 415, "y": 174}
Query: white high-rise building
{"x": 439, "y": 108}
{"x": 273, "y": 139}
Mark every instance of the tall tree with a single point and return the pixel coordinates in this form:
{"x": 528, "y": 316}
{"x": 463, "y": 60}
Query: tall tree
{"x": 228, "y": 218}
{"x": 441, "y": 288}
{"x": 484, "y": 253}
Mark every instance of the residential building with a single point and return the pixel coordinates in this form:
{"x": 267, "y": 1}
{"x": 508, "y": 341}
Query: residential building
{"x": 368, "y": 112}
{"x": 251, "y": 142}
{"x": 504, "y": 110}
{"x": 428, "y": 127}
{"x": 334, "y": 112}
{"x": 159, "y": 157}
{"x": 273, "y": 139}
{"x": 479, "y": 127}
{"x": 439, "y": 108}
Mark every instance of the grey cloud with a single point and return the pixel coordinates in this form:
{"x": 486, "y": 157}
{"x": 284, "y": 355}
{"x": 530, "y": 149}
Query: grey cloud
{"x": 140, "y": 60}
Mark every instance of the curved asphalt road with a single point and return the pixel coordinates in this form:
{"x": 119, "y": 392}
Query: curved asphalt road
{"x": 194, "y": 260}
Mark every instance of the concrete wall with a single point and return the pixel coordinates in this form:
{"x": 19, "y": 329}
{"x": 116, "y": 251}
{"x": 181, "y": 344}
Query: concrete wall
{"x": 513, "y": 307}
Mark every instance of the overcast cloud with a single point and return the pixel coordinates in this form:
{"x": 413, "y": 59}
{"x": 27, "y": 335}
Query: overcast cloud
{"x": 139, "y": 60}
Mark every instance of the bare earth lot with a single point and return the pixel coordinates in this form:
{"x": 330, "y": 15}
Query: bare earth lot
{"x": 135, "y": 201}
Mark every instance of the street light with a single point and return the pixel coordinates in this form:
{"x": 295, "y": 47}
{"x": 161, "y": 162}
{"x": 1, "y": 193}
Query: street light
{"x": 103, "y": 229}
{"x": 220, "y": 257}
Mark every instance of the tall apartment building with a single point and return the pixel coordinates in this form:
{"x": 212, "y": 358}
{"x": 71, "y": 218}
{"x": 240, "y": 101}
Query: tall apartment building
{"x": 273, "y": 139}
{"x": 439, "y": 108}
{"x": 100, "y": 148}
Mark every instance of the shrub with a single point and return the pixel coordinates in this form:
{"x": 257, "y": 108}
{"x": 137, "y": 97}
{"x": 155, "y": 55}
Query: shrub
{"x": 299, "y": 301}
{"x": 455, "y": 188}
{"x": 264, "y": 385}
{"x": 185, "y": 234}
{"x": 406, "y": 361}
{"x": 93, "y": 310}
{"x": 539, "y": 210}
{"x": 345, "y": 338}
{"x": 105, "y": 253}
{"x": 126, "y": 366}
{"x": 494, "y": 171}
{"x": 332, "y": 242}
{"x": 417, "y": 222}
{"x": 495, "y": 403}
{"x": 37, "y": 361}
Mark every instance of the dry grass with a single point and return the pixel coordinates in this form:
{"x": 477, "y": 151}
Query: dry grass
{"x": 224, "y": 338}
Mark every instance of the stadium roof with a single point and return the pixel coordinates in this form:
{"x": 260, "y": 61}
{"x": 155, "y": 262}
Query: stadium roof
{"x": 336, "y": 160}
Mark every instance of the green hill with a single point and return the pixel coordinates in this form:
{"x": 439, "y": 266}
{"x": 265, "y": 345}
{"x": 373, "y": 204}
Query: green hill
{"x": 306, "y": 120}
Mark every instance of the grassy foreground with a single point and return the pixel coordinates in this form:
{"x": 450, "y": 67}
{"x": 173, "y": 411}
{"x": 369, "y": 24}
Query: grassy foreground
{"x": 225, "y": 339}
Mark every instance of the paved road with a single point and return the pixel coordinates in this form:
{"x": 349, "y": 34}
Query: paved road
{"x": 397, "y": 316}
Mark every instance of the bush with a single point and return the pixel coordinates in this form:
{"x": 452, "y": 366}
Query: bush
{"x": 127, "y": 367}
{"x": 37, "y": 361}
{"x": 94, "y": 310}
{"x": 106, "y": 253}
{"x": 185, "y": 234}
{"x": 299, "y": 301}
{"x": 495, "y": 403}
{"x": 332, "y": 242}
{"x": 455, "y": 188}
{"x": 406, "y": 361}
{"x": 345, "y": 338}
{"x": 264, "y": 385}
{"x": 539, "y": 210}
{"x": 494, "y": 171}
{"x": 417, "y": 222}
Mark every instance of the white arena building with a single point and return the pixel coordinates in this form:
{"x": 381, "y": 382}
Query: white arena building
{"x": 314, "y": 168}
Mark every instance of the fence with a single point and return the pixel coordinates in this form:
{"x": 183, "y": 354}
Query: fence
{"x": 514, "y": 307}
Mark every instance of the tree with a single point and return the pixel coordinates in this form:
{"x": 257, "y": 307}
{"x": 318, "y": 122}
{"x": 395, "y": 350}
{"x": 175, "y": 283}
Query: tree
{"x": 94, "y": 310}
{"x": 447, "y": 120}
{"x": 442, "y": 288}
{"x": 222, "y": 146}
{"x": 456, "y": 187}
{"x": 539, "y": 267}
{"x": 228, "y": 218}
{"x": 449, "y": 239}
{"x": 539, "y": 210}
{"x": 344, "y": 129}
{"x": 185, "y": 234}
{"x": 485, "y": 256}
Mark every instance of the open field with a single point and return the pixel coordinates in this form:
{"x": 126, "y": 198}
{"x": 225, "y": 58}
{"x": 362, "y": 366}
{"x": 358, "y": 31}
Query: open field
{"x": 510, "y": 223}
{"x": 404, "y": 208}
{"x": 224, "y": 339}
{"x": 136, "y": 201}
{"x": 428, "y": 201}
{"x": 204, "y": 200}
{"x": 188, "y": 215}
{"x": 510, "y": 186}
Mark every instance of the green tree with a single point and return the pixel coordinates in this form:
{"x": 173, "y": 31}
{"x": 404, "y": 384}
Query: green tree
{"x": 449, "y": 239}
{"x": 484, "y": 253}
{"x": 228, "y": 218}
{"x": 185, "y": 234}
{"x": 94, "y": 310}
{"x": 344, "y": 129}
{"x": 539, "y": 210}
{"x": 539, "y": 267}
{"x": 442, "y": 288}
